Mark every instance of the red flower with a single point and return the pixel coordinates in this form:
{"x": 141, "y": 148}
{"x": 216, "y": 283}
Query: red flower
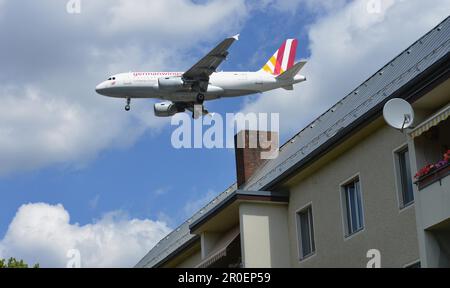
{"x": 447, "y": 156}
{"x": 424, "y": 171}
{"x": 430, "y": 167}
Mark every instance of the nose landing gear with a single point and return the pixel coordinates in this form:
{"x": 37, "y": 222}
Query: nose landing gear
{"x": 128, "y": 107}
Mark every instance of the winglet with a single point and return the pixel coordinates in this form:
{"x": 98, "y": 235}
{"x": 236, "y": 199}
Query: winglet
{"x": 236, "y": 37}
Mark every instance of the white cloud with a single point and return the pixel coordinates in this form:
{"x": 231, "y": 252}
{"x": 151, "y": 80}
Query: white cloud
{"x": 39, "y": 129}
{"x": 292, "y": 6}
{"x": 50, "y": 113}
{"x": 347, "y": 46}
{"x": 319, "y": 6}
{"x": 42, "y": 233}
{"x": 176, "y": 19}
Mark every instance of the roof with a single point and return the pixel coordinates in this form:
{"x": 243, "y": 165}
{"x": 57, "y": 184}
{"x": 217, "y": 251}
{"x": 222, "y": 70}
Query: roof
{"x": 409, "y": 65}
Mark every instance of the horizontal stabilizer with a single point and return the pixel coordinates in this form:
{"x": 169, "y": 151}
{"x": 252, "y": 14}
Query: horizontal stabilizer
{"x": 289, "y": 74}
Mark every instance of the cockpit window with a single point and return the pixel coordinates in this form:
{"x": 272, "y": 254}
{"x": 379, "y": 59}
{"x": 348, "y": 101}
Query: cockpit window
{"x": 109, "y": 78}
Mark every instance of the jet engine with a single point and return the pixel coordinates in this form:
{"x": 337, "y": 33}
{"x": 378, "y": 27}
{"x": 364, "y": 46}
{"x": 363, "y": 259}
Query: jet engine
{"x": 166, "y": 109}
{"x": 171, "y": 83}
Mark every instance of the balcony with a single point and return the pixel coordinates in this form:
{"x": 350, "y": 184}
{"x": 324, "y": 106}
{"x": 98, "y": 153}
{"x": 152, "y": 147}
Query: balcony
{"x": 434, "y": 196}
{"x": 434, "y": 211}
{"x": 430, "y": 143}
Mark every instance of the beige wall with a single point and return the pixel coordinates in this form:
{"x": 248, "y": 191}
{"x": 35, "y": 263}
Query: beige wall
{"x": 387, "y": 229}
{"x": 264, "y": 235}
{"x": 208, "y": 242}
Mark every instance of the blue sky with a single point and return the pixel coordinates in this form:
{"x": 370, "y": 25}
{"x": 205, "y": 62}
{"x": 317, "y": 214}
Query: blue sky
{"x": 101, "y": 160}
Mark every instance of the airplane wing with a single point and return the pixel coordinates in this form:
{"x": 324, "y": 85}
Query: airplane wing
{"x": 201, "y": 71}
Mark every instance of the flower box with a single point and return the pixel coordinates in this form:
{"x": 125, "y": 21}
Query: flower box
{"x": 433, "y": 172}
{"x": 433, "y": 176}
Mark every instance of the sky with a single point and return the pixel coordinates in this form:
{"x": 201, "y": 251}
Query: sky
{"x": 78, "y": 172}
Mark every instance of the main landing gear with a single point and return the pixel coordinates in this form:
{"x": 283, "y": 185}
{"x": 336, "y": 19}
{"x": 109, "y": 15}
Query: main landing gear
{"x": 128, "y": 107}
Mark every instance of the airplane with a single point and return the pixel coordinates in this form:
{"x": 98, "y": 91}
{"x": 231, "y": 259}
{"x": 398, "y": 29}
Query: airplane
{"x": 188, "y": 90}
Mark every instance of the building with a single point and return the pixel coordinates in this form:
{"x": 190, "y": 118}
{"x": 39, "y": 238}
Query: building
{"x": 342, "y": 186}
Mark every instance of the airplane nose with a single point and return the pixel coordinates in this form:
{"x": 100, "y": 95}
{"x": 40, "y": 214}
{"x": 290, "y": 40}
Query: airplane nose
{"x": 100, "y": 88}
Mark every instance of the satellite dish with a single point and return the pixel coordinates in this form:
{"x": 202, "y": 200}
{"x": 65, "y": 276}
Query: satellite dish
{"x": 398, "y": 114}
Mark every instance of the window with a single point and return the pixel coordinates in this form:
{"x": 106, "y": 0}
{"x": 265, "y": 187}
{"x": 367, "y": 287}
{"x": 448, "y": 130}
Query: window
{"x": 305, "y": 230}
{"x": 404, "y": 178}
{"x": 352, "y": 207}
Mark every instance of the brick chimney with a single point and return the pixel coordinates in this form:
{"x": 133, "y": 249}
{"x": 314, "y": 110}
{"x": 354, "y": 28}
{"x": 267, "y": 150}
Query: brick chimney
{"x": 252, "y": 149}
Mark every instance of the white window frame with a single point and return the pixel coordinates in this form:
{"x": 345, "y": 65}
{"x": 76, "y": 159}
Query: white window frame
{"x": 302, "y": 257}
{"x": 398, "y": 177}
{"x": 344, "y": 207}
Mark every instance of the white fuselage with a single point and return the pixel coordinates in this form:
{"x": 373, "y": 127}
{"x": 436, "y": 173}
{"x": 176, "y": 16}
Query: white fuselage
{"x": 221, "y": 84}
